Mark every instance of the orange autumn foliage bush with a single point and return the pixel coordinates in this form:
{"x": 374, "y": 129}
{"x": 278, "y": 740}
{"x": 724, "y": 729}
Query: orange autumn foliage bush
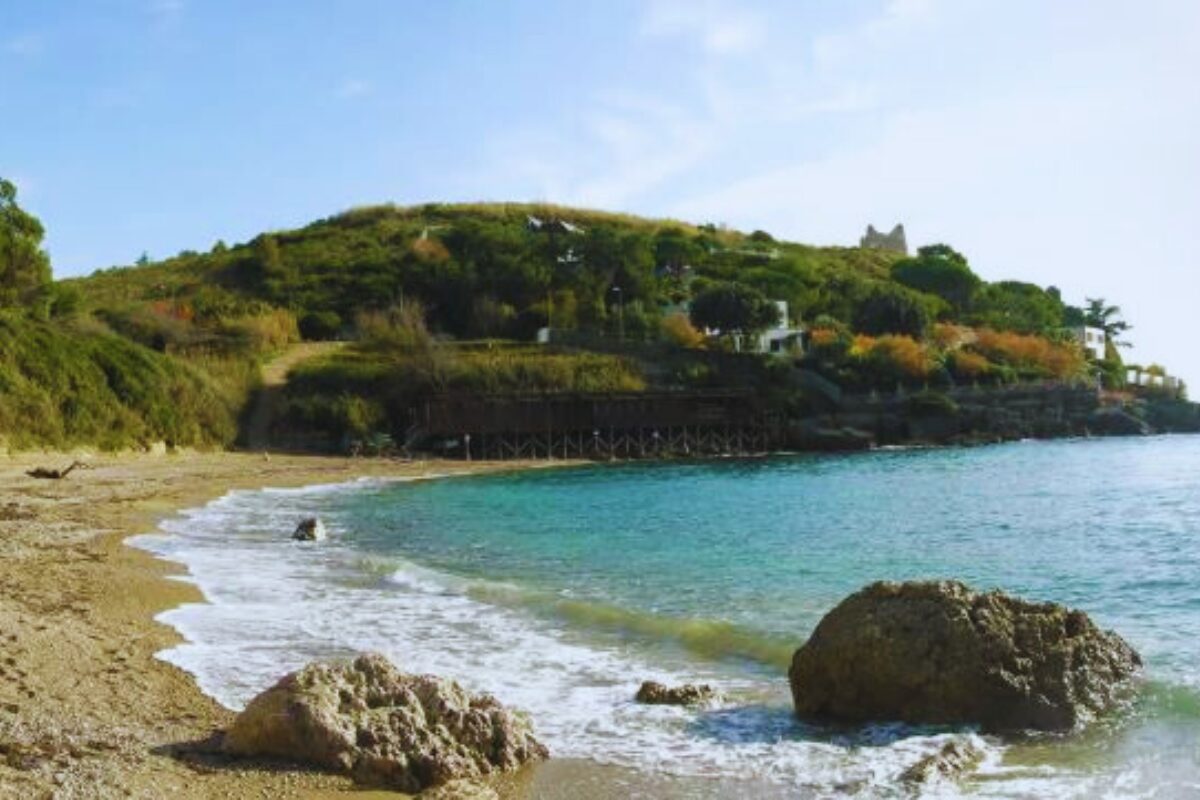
{"x": 970, "y": 365}
{"x": 829, "y": 344}
{"x": 823, "y": 337}
{"x": 862, "y": 345}
{"x": 903, "y": 354}
{"x": 679, "y": 330}
{"x": 895, "y": 356}
{"x": 1031, "y": 353}
{"x": 948, "y": 336}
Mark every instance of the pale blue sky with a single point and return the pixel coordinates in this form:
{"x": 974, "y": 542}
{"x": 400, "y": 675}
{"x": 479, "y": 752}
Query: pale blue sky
{"x": 1051, "y": 141}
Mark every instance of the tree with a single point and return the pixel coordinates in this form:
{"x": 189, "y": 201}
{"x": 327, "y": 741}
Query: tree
{"x": 941, "y": 270}
{"x": 674, "y": 249}
{"x": 1017, "y": 306}
{"x": 1099, "y": 314}
{"x": 888, "y": 308}
{"x": 612, "y": 257}
{"x": 24, "y": 266}
{"x": 266, "y": 250}
{"x": 733, "y": 308}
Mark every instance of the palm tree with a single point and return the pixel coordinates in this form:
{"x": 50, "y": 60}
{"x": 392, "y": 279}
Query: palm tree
{"x": 1107, "y": 318}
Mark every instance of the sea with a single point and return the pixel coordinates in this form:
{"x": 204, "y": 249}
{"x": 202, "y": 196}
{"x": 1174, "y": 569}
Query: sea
{"x": 560, "y": 590}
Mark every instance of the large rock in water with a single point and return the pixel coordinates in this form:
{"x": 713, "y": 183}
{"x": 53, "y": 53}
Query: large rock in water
{"x": 381, "y": 726}
{"x": 938, "y": 652}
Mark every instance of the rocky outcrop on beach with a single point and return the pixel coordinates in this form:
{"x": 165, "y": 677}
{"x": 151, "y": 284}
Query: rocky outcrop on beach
{"x": 383, "y": 727}
{"x": 828, "y": 438}
{"x": 953, "y": 761}
{"x": 689, "y": 694}
{"x": 1116, "y": 422}
{"x": 310, "y": 530}
{"x": 938, "y": 652}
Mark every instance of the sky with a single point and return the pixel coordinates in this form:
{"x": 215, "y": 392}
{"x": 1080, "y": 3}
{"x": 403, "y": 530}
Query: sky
{"x": 1057, "y": 143}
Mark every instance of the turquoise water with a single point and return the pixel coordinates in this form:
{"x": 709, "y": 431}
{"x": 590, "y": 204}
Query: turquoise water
{"x": 559, "y": 590}
{"x": 1112, "y": 527}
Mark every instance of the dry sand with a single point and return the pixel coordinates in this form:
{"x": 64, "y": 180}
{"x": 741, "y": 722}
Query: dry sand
{"x": 85, "y": 708}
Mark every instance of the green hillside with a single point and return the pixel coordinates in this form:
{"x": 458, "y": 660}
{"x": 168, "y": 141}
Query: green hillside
{"x": 72, "y": 383}
{"x": 486, "y": 270}
{"x": 446, "y": 298}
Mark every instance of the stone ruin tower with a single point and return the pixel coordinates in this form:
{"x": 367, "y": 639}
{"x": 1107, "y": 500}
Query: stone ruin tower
{"x": 894, "y": 241}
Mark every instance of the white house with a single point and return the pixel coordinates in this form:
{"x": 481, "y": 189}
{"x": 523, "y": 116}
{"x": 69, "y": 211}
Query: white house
{"x": 1091, "y": 340}
{"x": 1154, "y": 378}
{"x": 783, "y": 339}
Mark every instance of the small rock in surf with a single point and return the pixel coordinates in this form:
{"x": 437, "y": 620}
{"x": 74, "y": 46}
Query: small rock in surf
{"x": 309, "y": 530}
{"x": 689, "y": 694}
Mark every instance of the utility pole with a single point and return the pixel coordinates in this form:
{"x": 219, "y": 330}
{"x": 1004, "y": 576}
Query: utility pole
{"x": 620, "y": 314}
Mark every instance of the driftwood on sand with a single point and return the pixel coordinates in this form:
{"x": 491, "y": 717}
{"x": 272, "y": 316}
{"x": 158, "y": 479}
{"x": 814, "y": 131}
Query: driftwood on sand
{"x": 55, "y": 474}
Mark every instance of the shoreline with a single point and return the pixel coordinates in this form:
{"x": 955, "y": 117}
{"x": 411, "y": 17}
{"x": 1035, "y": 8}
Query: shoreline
{"x": 86, "y": 709}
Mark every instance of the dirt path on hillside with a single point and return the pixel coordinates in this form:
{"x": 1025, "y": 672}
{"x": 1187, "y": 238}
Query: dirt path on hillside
{"x": 274, "y": 378}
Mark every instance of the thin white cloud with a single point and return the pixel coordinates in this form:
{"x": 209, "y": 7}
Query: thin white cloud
{"x": 646, "y": 145}
{"x": 624, "y": 147}
{"x": 898, "y": 20}
{"x": 718, "y": 28}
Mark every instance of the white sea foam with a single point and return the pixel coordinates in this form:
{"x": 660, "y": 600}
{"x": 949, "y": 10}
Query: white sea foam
{"x": 275, "y": 604}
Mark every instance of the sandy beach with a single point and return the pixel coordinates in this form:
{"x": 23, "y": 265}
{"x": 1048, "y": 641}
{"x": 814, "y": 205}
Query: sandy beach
{"x": 86, "y": 710}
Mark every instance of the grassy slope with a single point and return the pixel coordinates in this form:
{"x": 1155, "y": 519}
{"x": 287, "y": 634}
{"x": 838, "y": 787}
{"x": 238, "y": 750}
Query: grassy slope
{"x": 66, "y": 384}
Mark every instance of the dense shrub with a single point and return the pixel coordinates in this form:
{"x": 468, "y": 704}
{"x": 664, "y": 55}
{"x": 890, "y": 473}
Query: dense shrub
{"x": 968, "y": 366}
{"x": 320, "y": 325}
{"x": 829, "y": 344}
{"x": 679, "y": 331}
{"x": 899, "y": 357}
{"x": 265, "y": 332}
{"x": 894, "y": 309}
{"x": 1031, "y": 356}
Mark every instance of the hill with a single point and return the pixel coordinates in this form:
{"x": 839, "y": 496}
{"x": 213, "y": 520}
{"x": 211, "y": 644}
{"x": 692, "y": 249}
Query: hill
{"x": 448, "y": 298}
{"x": 487, "y": 270}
